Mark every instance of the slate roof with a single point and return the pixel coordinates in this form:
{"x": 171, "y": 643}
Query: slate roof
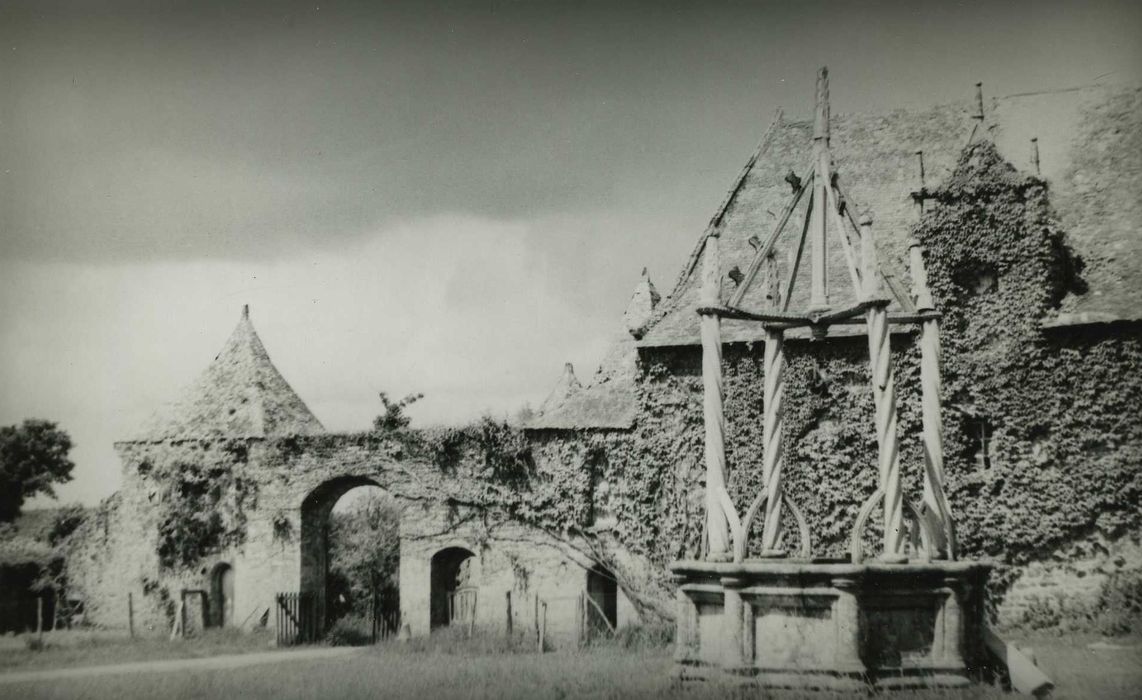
{"x": 240, "y": 395}
{"x": 608, "y": 401}
{"x": 1090, "y": 142}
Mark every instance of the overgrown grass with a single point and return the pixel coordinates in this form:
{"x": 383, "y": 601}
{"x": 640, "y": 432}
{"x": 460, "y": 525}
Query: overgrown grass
{"x": 350, "y": 631}
{"x": 1116, "y": 611}
{"x": 599, "y": 672}
{"x": 65, "y": 648}
{"x": 455, "y": 641}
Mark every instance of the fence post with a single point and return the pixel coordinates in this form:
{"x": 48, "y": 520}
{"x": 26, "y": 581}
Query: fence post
{"x": 131, "y": 615}
{"x": 508, "y": 599}
{"x": 40, "y": 616}
{"x": 543, "y": 628}
{"x": 472, "y": 615}
{"x": 581, "y": 620}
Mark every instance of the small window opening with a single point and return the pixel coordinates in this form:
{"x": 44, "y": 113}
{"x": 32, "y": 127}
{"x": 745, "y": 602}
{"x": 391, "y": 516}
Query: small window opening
{"x": 601, "y": 515}
{"x": 978, "y": 279}
{"x": 981, "y": 441}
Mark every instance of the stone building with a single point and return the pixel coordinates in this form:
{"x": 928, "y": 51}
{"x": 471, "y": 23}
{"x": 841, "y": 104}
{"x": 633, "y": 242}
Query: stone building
{"x": 1045, "y": 473}
{"x": 225, "y": 503}
{"x": 1027, "y": 207}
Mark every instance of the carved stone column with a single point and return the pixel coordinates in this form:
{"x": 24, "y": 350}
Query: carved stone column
{"x": 846, "y": 614}
{"x": 733, "y": 649}
{"x": 686, "y": 632}
{"x": 952, "y": 614}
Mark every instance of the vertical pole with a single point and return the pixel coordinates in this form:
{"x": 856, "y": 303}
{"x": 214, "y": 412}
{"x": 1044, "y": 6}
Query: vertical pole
{"x": 934, "y": 480}
{"x": 884, "y": 393}
{"x": 508, "y": 600}
{"x": 1035, "y": 155}
{"x": 131, "y": 615}
{"x": 717, "y": 525}
{"x": 535, "y": 615}
{"x": 819, "y": 297}
{"x": 472, "y": 614}
{"x": 543, "y": 629}
{"x": 774, "y": 421}
{"x": 920, "y": 192}
{"x": 40, "y": 617}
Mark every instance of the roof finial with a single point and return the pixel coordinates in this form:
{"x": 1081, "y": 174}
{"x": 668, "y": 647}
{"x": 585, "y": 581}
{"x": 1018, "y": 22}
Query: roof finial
{"x": 821, "y": 123}
{"x": 245, "y": 311}
{"x": 920, "y": 192}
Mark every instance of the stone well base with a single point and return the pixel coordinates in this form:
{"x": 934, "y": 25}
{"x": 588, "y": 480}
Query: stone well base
{"x": 831, "y": 624}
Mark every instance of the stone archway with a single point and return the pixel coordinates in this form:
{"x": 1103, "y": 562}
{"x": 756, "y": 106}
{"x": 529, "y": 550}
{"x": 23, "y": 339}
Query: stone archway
{"x": 452, "y": 584}
{"x": 316, "y": 509}
{"x": 222, "y": 595}
{"x": 603, "y": 591}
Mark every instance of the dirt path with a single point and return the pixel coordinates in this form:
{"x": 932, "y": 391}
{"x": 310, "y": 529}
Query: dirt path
{"x": 208, "y": 663}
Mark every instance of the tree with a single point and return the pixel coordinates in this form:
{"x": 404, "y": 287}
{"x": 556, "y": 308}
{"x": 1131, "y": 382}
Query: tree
{"x": 364, "y": 549}
{"x": 33, "y": 457}
{"x": 394, "y": 418}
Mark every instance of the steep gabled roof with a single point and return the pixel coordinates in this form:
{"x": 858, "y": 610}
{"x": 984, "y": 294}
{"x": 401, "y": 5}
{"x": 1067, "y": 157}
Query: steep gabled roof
{"x": 241, "y": 394}
{"x": 1090, "y": 153}
{"x": 608, "y": 401}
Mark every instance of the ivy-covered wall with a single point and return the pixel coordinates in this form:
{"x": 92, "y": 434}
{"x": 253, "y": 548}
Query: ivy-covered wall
{"x": 1042, "y": 435}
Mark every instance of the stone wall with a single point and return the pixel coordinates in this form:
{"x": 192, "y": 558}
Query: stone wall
{"x": 1071, "y": 579}
{"x": 276, "y": 543}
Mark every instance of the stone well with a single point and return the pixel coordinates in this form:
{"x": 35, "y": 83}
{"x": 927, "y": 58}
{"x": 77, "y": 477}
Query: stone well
{"x": 830, "y": 624}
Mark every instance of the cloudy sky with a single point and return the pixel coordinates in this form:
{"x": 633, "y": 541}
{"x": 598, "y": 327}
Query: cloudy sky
{"x": 452, "y": 198}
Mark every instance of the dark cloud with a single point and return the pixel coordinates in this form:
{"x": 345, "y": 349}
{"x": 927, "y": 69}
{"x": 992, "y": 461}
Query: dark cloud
{"x": 134, "y": 130}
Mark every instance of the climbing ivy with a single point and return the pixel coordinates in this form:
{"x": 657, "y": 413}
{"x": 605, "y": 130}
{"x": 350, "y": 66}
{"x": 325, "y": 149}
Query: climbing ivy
{"x": 201, "y": 503}
{"x": 1060, "y": 406}
{"x": 1042, "y": 443}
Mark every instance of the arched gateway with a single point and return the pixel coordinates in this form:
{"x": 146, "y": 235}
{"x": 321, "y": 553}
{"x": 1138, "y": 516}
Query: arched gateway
{"x": 316, "y": 511}
{"x": 241, "y": 444}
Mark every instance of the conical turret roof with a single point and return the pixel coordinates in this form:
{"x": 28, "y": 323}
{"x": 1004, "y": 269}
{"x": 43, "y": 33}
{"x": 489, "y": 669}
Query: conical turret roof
{"x": 241, "y": 394}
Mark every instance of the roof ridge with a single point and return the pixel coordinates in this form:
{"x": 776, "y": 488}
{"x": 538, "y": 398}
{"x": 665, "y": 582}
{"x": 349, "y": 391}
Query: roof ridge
{"x": 719, "y": 214}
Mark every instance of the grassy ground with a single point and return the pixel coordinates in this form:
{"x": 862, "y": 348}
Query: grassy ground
{"x": 449, "y": 670}
{"x": 68, "y": 648}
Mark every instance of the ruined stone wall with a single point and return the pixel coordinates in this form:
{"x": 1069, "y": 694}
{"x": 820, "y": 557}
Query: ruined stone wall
{"x": 272, "y": 536}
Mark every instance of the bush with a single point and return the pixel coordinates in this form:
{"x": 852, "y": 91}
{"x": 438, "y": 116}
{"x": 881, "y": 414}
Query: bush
{"x": 647, "y": 636}
{"x": 1117, "y": 609}
{"x": 1120, "y": 603}
{"x": 350, "y": 631}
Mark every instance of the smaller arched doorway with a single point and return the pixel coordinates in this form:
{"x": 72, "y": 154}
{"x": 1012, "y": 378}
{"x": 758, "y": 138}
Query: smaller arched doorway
{"x": 603, "y": 608}
{"x": 452, "y": 596}
{"x": 222, "y": 595}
